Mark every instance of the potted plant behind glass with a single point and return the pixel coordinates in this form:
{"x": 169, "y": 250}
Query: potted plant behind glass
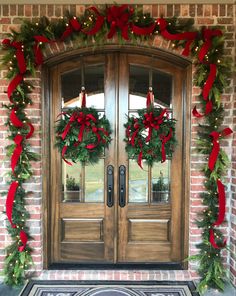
{"x": 160, "y": 190}
{"x": 72, "y": 192}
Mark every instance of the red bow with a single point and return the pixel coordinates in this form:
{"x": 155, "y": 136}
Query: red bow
{"x": 151, "y": 122}
{"x": 216, "y": 146}
{"x": 73, "y": 25}
{"x": 189, "y": 36}
{"x": 84, "y": 120}
{"x": 19, "y": 53}
{"x": 208, "y": 34}
{"x": 118, "y": 17}
{"x": 165, "y": 139}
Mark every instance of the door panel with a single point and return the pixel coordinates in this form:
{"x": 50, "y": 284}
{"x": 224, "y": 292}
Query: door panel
{"x": 146, "y": 226}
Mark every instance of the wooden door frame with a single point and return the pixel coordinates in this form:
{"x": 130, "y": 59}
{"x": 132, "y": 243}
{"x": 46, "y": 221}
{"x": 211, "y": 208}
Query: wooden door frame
{"x": 46, "y": 117}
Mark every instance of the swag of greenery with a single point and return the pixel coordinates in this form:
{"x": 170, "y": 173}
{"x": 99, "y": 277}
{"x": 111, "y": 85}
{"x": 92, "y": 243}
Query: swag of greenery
{"x": 82, "y": 135}
{"x": 150, "y": 135}
{"x": 24, "y": 52}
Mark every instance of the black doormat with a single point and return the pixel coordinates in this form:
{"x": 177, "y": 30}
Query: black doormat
{"x": 109, "y": 288}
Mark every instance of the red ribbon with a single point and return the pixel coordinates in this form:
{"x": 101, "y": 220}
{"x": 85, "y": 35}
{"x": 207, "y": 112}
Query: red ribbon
{"x": 216, "y": 146}
{"x": 140, "y": 156}
{"x": 24, "y": 239}
{"x": 189, "y": 36}
{"x": 73, "y": 25}
{"x": 10, "y": 200}
{"x": 212, "y": 241}
{"x": 143, "y": 30}
{"x": 31, "y": 131}
{"x": 17, "y": 151}
{"x": 134, "y": 135}
{"x": 19, "y": 53}
{"x": 150, "y": 99}
{"x": 118, "y": 17}
{"x": 83, "y": 104}
{"x": 14, "y": 119}
{"x": 13, "y": 85}
{"x": 222, "y": 201}
{"x": 164, "y": 139}
{"x": 206, "y": 90}
{"x": 98, "y": 24}
{"x": 84, "y": 120}
{"x": 208, "y": 34}
{"x": 209, "y": 82}
{"x": 37, "y": 50}
{"x": 63, "y": 155}
{"x": 151, "y": 122}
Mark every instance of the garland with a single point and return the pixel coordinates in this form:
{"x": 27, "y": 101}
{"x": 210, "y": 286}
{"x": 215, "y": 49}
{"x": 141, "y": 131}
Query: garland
{"x": 151, "y": 135}
{"x": 24, "y": 53}
{"x": 82, "y": 135}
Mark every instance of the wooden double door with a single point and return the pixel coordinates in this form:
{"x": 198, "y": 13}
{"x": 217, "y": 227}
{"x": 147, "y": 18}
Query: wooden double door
{"x": 113, "y": 211}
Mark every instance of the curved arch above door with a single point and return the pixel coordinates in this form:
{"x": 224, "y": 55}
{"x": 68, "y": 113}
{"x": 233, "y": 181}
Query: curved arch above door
{"x": 150, "y": 227}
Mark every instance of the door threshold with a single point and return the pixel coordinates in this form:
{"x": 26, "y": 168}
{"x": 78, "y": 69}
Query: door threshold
{"x": 145, "y": 266}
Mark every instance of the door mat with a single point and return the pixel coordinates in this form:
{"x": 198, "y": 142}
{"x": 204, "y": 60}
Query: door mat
{"x": 108, "y": 288}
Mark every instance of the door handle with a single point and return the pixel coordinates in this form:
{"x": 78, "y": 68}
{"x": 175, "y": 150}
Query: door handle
{"x": 122, "y": 186}
{"x": 110, "y": 186}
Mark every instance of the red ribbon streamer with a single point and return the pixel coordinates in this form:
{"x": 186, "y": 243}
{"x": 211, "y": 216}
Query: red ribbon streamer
{"x": 206, "y": 90}
{"x": 164, "y": 139}
{"x": 222, "y": 201}
{"x": 216, "y": 146}
{"x": 209, "y": 82}
{"x": 208, "y": 110}
{"x": 24, "y": 239}
{"x": 118, "y": 18}
{"x": 189, "y": 36}
{"x": 10, "y": 200}
{"x": 31, "y": 131}
{"x": 37, "y": 50}
{"x": 17, "y": 151}
{"x": 14, "y": 119}
{"x": 98, "y": 24}
{"x": 19, "y": 53}
{"x": 74, "y": 25}
{"x": 63, "y": 155}
{"x": 83, "y": 104}
{"x": 208, "y": 34}
{"x": 212, "y": 241}
{"x": 143, "y": 30}
{"x": 13, "y": 85}
{"x": 150, "y": 99}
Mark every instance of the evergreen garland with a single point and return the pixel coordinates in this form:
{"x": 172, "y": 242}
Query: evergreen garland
{"x": 24, "y": 50}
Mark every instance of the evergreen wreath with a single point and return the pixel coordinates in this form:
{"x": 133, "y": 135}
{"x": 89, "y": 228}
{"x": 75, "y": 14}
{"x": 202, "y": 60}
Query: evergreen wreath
{"x": 82, "y": 135}
{"x": 150, "y": 135}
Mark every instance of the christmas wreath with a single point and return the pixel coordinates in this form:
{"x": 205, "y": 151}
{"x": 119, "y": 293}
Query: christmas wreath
{"x": 150, "y": 135}
{"x": 82, "y": 135}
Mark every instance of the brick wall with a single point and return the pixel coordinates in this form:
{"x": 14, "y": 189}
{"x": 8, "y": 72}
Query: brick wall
{"x": 217, "y": 14}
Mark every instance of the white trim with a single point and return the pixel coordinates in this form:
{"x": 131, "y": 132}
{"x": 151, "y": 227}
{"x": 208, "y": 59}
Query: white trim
{"x": 96, "y": 2}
